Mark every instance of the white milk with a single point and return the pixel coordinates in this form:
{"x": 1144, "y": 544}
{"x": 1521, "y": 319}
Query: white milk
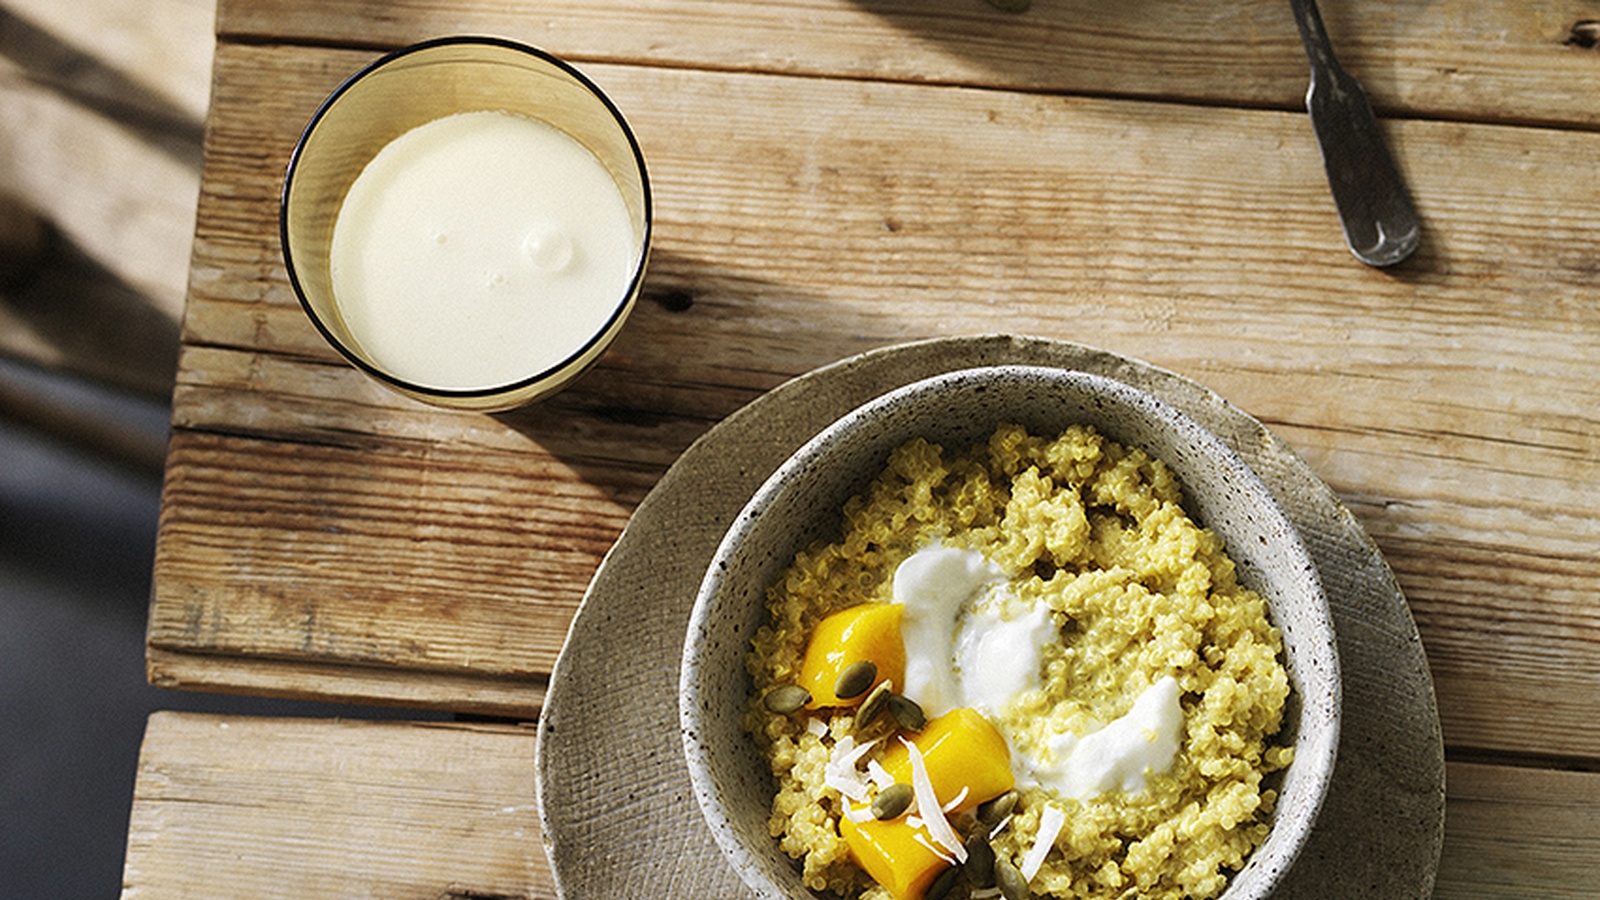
{"x": 480, "y": 249}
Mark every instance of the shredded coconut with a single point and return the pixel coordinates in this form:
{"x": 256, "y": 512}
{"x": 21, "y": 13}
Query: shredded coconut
{"x": 956, "y": 800}
{"x": 841, "y": 774}
{"x": 879, "y": 775}
{"x": 858, "y": 814}
{"x": 928, "y": 805}
{"x": 1050, "y": 822}
{"x": 923, "y": 840}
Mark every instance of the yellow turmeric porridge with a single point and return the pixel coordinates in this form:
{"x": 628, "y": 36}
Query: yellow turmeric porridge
{"x": 1021, "y": 671}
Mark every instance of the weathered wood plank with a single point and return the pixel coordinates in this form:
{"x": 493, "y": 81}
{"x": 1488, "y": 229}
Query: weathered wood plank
{"x": 337, "y": 681}
{"x": 1515, "y": 832}
{"x": 1450, "y": 402}
{"x": 99, "y": 166}
{"x": 239, "y": 807}
{"x": 1452, "y": 59}
{"x": 422, "y": 557}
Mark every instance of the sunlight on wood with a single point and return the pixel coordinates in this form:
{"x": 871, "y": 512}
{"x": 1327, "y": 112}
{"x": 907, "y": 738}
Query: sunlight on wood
{"x": 104, "y": 105}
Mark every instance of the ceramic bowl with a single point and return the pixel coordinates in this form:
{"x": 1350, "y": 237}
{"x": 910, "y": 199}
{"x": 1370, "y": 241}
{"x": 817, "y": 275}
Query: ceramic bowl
{"x": 801, "y": 502}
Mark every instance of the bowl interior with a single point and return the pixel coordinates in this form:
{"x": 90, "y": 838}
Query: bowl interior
{"x": 801, "y": 502}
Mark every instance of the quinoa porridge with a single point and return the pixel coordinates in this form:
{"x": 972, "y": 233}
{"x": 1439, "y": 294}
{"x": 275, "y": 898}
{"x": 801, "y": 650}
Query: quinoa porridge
{"x": 1020, "y": 670}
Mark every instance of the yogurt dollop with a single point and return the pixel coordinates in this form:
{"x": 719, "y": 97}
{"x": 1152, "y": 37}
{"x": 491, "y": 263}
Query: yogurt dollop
{"x": 998, "y": 659}
{"x": 962, "y": 652}
{"x": 933, "y": 585}
{"x": 1119, "y": 756}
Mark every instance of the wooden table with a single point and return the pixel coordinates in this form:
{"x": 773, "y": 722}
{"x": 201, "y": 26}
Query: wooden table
{"x": 840, "y": 175}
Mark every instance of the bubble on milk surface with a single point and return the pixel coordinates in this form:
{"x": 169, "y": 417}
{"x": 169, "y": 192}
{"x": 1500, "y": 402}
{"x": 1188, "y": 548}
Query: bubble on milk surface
{"x": 548, "y": 247}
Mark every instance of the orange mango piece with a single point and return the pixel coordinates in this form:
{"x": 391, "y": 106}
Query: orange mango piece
{"x": 870, "y": 631}
{"x": 960, "y": 749}
{"x": 892, "y": 855}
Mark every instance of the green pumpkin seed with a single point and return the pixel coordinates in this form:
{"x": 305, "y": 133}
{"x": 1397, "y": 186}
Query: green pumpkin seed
{"x": 871, "y": 707}
{"x": 892, "y": 801}
{"x": 992, "y": 812}
{"x": 1011, "y": 6}
{"x": 906, "y": 712}
{"x": 1010, "y": 881}
{"x": 940, "y": 888}
{"x": 980, "y": 861}
{"x": 787, "y": 699}
{"x": 855, "y": 679}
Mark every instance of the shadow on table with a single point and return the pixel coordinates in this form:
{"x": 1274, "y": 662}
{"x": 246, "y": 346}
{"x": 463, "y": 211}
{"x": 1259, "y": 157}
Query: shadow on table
{"x": 100, "y": 327}
{"x": 87, "y": 81}
{"x": 686, "y": 361}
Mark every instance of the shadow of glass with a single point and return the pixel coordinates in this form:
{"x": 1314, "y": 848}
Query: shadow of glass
{"x": 702, "y": 342}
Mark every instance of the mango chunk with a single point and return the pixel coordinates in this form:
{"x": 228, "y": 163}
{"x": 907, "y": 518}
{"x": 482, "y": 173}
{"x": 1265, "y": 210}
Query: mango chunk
{"x": 870, "y": 631}
{"x": 960, "y": 749}
{"x": 892, "y": 855}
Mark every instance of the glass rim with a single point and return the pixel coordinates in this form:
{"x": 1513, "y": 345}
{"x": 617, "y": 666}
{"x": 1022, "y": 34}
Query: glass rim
{"x": 579, "y": 358}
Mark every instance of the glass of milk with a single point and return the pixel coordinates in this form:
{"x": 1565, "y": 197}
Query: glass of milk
{"x": 467, "y": 220}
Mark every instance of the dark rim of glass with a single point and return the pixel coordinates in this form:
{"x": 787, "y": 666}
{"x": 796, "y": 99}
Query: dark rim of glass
{"x": 379, "y": 63}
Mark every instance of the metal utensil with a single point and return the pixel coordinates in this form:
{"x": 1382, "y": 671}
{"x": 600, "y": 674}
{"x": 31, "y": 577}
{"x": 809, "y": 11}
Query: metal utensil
{"x": 1380, "y": 222}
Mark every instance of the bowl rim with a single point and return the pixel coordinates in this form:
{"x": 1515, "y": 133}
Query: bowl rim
{"x": 1316, "y": 769}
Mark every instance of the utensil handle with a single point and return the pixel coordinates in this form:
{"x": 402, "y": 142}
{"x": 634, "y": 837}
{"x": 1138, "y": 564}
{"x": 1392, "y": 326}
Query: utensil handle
{"x": 1319, "y": 50}
{"x": 1380, "y": 223}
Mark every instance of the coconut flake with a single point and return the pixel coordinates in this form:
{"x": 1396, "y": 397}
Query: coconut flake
{"x": 1050, "y": 822}
{"x": 923, "y": 840}
{"x": 858, "y": 814}
{"x": 816, "y": 727}
{"x": 840, "y": 772}
{"x": 928, "y": 805}
{"x": 879, "y": 775}
{"x": 956, "y": 800}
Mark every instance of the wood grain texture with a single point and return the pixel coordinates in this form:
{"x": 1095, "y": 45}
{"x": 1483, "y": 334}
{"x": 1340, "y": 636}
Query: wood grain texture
{"x": 1439, "y": 59}
{"x": 99, "y": 164}
{"x": 343, "y": 682}
{"x": 231, "y": 807}
{"x": 832, "y": 177}
{"x": 1514, "y": 832}
{"x": 239, "y": 807}
{"x": 1450, "y": 402}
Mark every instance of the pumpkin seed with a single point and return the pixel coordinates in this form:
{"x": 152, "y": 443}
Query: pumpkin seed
{"x": 1011, "y": 6}
{"x": 892, "y": 801}
{"x": 855, "y": 679}
{"x": 940, "y": 888}
{"x": 991, "y": 812}
{"x": 980, "y": 861}
{"x": 787, "y": 699}
{"x": 1010, "y": 881}
{"x": 906, "y": 712}
{"x": 873, "y": 705}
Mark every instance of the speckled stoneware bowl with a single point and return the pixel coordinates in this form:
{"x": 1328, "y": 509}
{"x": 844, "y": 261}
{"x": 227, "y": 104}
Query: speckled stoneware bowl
{"x": 801, "y": 502}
